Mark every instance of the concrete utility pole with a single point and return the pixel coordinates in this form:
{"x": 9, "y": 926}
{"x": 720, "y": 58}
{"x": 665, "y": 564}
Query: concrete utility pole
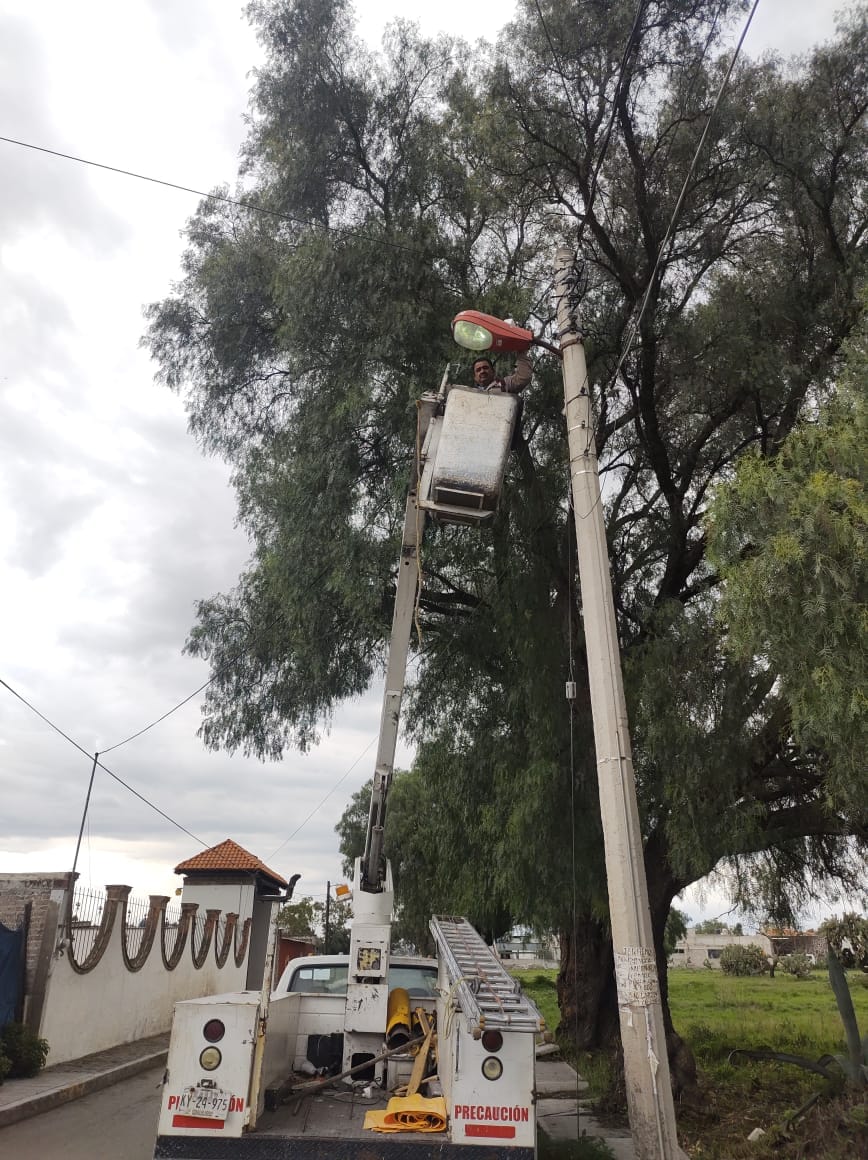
{"x": 646, "y": 1065}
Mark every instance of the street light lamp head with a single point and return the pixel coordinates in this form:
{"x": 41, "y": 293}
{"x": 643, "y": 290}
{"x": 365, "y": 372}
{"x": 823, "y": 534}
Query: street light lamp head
{"x": 476, "y": 331}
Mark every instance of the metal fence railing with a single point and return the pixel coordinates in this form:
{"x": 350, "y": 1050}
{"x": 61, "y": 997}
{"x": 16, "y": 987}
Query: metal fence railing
{"x": 138, "y": 910}
{"x": 87, "y": 908}
{"x": 91, "y": 930}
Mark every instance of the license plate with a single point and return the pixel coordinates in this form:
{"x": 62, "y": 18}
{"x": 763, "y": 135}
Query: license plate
{"x": 208, "y": 1102}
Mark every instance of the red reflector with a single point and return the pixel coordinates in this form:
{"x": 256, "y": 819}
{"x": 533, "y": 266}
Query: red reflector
{"x": 197, "y": 1122}
{"x": 501, "y": 1131}
{"x": 214, "y": 1030}
{"x": 492, "y": 1040}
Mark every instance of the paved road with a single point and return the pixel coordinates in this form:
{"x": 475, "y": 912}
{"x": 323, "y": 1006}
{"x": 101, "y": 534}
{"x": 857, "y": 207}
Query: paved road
{"x": 119, "y": 1123}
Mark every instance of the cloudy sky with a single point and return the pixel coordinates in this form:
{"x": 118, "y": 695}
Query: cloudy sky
{"x": 112, "y": 524}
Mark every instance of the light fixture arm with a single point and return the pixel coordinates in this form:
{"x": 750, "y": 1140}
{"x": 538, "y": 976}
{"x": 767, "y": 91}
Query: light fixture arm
{"x": 550, "y": 346}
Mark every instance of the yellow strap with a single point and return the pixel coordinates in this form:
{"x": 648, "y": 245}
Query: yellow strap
{"x": 409, "y": 1114}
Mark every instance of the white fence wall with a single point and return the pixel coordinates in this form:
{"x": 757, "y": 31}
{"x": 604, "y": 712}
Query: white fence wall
{"x": 108, "y": 1003}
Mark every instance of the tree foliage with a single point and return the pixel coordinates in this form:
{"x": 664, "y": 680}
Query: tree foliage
{"x": 789, "y": 536}
{"x": 298, "y": 919}
{"x": 396, "y": 188}
{"x": 676, "y": 928}
{"x": 711, "y": 926}
{"x": 743, "y": 960}
{"x": 305, "y": 918}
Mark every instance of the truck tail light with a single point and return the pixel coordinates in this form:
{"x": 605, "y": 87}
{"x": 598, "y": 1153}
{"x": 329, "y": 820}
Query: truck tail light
{"x": 492, "y": 1040}
{"x": 210, "y": 1059}
{"x": 492, "y": 1068}
{"x": 214, "y": 1030}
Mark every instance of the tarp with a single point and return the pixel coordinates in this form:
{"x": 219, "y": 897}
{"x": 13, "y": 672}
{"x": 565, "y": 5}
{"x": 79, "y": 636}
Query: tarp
{"x": 409, "y": 1114}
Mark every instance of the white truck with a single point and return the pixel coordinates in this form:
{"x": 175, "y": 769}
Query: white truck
{"x": 443, "y": 1048}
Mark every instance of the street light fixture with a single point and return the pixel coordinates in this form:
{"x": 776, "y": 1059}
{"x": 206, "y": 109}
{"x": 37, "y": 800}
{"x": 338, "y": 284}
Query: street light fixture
{"x": 478, "y": 332}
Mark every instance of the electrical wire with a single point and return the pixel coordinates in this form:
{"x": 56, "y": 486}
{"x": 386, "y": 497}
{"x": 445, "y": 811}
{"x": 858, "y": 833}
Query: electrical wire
{"x": 338, "y": 231}
{"x": 103, "y": 767}
{"x": 322, "y": 802}
{"x": 163, "y": 716}
{"x": 616, "y": 96}
{"x": 221, "y": 668}
{"x": 556, "y": 59}
{"x": 670, "y": 229}
{"x": 622, "y": 69}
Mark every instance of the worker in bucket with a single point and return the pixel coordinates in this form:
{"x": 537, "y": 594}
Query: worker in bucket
{"x": 485, "y": 378}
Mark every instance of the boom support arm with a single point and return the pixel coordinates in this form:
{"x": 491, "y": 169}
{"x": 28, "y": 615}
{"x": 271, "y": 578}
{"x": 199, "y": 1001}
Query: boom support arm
{"x": 373, "y": 864}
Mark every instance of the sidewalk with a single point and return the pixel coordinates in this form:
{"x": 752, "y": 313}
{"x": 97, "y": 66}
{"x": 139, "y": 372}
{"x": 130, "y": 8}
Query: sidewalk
{"x": 20, "y": 1098}
{"x": 562, "y": 1113}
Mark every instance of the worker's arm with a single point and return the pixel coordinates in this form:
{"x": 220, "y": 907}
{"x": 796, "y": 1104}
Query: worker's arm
{"x": 520, "y": 377}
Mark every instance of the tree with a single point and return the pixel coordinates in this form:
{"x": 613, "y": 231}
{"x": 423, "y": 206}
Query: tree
{"x": 396, "y": 190}
{"x": 299, "y": 918}
{"x": 336, "y": 939}
{"x": 427, "y": 882}
{"x": 305, "y": 918}
{"x": 789, "y": 536}
{"x": 711, "y": 926}
{"x": 676, "y": 928}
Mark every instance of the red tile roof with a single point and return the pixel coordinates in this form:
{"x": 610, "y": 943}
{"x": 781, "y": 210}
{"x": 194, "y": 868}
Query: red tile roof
{"x": 228, "y": 855}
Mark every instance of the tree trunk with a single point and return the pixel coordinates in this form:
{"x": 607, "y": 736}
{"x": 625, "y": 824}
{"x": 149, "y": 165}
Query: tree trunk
{"x": 662, "y": 889}
{"x": 586, "y": 986}
{"x": 587, "y": 998}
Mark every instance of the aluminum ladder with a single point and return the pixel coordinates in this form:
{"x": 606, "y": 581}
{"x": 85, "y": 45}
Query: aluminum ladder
{"x": 488, "y": 996}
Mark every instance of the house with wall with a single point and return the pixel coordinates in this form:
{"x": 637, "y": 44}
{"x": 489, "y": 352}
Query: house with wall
{"x": 704, "y": 950}
{"x": 95, "y": 969}
{"x": 521, "y": 944}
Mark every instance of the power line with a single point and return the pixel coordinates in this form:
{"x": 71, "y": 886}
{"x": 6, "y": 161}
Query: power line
{"x": 338, "y": 231}
{"x": 160, "y": 181}
{"x": 616, "y": 96}
{"x": 163, "y": 717}
{"x": 622, "y": 69}
{"x": 105, "y": 768}
{"x": 301, "y": 825}
{"x": 670, "y": 229}
{"x": 219, "y": 671}
{"x": 221, "y": 668}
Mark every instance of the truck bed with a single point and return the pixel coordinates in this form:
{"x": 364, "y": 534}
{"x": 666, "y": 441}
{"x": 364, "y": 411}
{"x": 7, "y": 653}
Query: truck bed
{"x": 328, "y": 1126}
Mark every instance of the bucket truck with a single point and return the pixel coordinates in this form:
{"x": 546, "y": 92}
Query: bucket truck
{"x": 245, "y": 1070}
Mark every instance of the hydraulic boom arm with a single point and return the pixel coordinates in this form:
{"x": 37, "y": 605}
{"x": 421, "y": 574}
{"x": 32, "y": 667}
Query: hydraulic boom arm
{"x": 373, "y": 865}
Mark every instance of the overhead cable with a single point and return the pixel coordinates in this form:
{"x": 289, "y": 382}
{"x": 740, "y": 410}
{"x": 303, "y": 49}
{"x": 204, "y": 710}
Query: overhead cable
{"x": 105, "y": 768}
{"x": 676, "y": 213}
{"x": 322, "y": 801}
{"x": 339, "y": 231}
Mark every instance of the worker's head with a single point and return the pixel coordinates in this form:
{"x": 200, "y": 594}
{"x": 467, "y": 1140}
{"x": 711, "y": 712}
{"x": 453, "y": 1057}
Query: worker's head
{"x": 483, "y": 371}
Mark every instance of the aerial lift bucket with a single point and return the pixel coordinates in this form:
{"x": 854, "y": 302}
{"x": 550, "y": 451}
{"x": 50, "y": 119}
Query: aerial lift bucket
{"x": 463, "y": 453}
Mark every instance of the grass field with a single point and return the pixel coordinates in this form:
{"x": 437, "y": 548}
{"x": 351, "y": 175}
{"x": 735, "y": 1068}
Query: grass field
{"x": 716, "y": 1014}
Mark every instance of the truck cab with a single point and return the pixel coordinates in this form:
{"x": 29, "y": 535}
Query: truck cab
{"x": 329, "y": 974}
